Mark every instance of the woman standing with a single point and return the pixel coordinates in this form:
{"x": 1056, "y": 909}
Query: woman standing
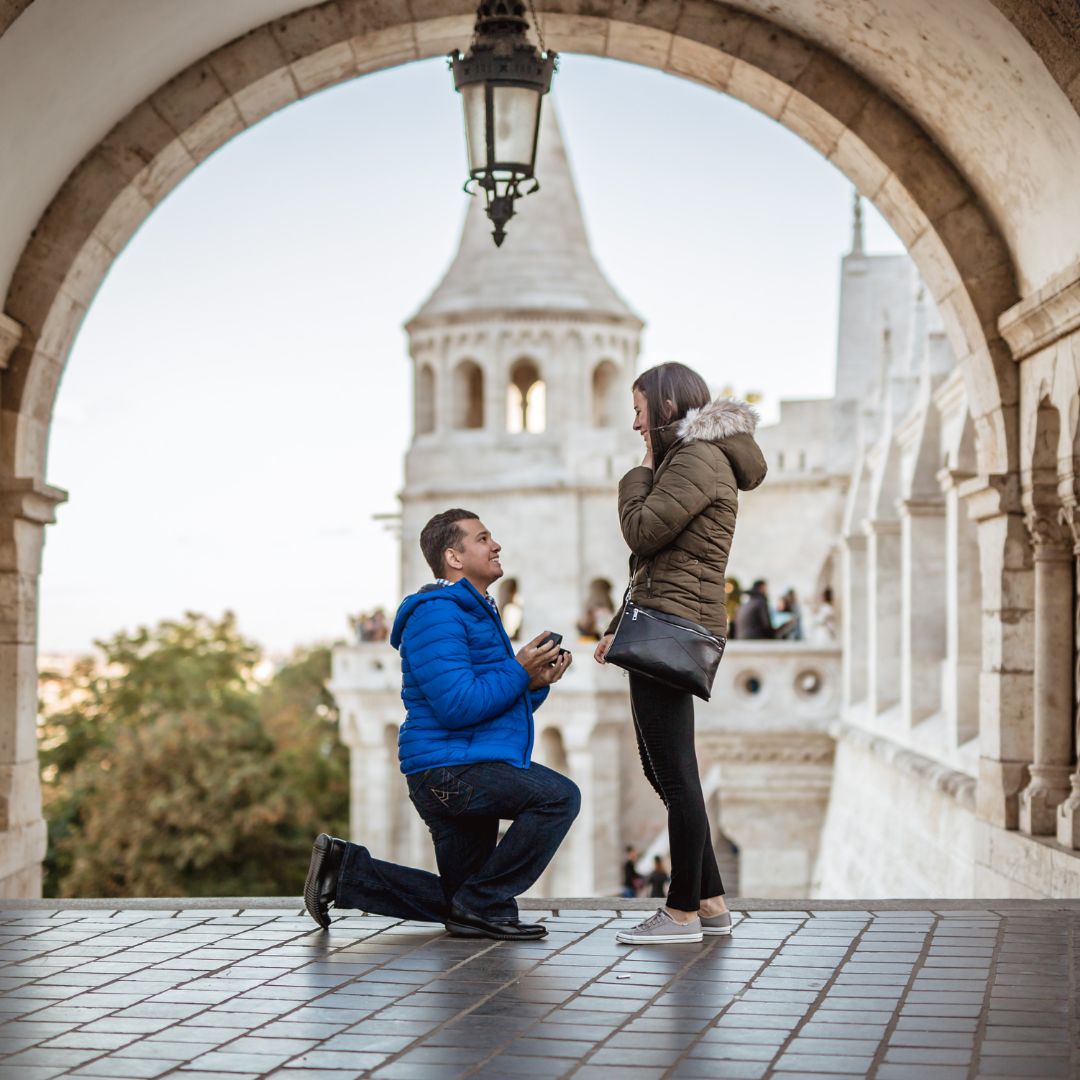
{"x": 677, "y": 511}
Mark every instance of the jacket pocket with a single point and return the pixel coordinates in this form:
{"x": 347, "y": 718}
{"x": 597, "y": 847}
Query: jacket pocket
{"x": 439, "y": 792}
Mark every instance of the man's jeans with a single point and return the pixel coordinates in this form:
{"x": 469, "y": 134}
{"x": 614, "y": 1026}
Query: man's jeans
{"x": 462, "y": 806}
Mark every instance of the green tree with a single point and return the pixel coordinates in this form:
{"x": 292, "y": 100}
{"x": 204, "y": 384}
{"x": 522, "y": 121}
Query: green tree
{"x": 170, "y": 771}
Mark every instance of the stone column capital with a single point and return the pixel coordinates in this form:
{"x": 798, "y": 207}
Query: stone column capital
{"x": 953, "y": 478}
{"x": 992, "y": 495}
{"x": 1050, "y": 533}
{"x": 924, "y": 506}
{"x": 28, "y": 499}
{"x": 881, "y": 526}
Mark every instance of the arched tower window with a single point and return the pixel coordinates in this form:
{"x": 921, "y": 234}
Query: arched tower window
{"x": 526, "y": 399}
{"x": 425, "y": 400}
{"x": 468, "y": 396}
{"x": 604, "y": 387}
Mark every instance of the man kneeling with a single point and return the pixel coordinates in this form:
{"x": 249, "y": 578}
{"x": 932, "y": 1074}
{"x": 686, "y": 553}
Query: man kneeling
{"x": 465, "y": 748}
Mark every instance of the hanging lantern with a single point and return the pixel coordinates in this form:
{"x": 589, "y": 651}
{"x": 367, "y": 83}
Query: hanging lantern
{"x": 501, "y": 80}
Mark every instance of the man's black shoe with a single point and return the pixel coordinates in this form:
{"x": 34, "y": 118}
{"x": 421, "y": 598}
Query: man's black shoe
{"x": 320, "y": 889}
{"x": 537, "y": 928}
{"x": 462, "y": 924}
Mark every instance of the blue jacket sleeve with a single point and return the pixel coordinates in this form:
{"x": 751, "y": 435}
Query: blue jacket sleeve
{"x": 436, "y": 644}
{"x": 538, "y": 697}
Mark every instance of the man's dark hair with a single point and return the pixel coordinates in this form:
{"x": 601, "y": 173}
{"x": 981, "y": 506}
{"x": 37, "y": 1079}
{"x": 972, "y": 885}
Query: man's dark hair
{"x": 758, "y": 586}
{"x": 440, "y": 533}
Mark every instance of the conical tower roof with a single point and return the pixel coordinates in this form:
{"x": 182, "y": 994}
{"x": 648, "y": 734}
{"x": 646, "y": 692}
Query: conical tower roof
{"x": 544, "y": 266}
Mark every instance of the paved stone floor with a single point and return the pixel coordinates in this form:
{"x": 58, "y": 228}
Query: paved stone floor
{"x": 195, "y": 993}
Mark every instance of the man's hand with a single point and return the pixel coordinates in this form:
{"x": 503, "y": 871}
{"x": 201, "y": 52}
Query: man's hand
{"x": 600, "y": 654}
{"x": 533, "y": 659}
{"x": 551, "y": 673}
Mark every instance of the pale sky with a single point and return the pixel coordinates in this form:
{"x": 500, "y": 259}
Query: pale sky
{"x": 237, "y": 403}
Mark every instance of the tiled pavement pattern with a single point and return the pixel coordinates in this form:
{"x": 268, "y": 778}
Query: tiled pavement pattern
{"x": 194, "y": 994}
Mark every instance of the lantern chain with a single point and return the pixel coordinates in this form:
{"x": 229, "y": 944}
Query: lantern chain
{"x": 536, "y": 23}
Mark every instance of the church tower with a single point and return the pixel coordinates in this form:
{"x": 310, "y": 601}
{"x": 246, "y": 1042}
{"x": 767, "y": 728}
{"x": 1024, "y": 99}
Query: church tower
{"x": 524, "y": 356}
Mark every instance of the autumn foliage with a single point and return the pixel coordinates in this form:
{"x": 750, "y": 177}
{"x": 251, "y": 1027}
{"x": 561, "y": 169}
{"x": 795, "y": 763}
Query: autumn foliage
{"x": 169, "y": 769}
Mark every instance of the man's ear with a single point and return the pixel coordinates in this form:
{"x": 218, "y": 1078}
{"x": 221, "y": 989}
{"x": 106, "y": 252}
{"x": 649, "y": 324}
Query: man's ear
{"x": 452, "y": 558}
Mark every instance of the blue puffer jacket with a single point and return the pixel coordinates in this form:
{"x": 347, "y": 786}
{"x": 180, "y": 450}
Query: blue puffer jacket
{"x": 466, "y": 697}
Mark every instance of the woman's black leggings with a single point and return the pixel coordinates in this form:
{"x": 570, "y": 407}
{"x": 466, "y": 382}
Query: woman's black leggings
{"x": 664, "y": 721}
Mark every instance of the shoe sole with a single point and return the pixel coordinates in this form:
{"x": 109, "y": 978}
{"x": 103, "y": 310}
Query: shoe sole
{"x": 460, "y": 930}
{"x": 717, "y": 931}
{"x": 311, "y": 885}
{"x": 659, "y": 939}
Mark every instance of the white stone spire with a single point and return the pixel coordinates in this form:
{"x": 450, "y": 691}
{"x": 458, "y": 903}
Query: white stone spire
{"x": 857, "y": 227}
{"x": 545, "y": 265}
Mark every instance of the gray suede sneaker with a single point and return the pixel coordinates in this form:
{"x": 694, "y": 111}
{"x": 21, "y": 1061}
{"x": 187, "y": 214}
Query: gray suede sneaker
{"x": 716, "y": 924}
{"x": 661, "y": 929}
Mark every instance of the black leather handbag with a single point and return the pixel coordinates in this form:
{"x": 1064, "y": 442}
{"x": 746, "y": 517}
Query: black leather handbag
{"x": 670, "y": 650}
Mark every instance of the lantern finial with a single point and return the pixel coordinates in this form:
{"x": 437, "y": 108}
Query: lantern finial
{"x": 501, "y": 80}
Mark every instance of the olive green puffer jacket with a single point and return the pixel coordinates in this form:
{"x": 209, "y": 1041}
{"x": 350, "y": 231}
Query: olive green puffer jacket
{"x": 679, "y": 522}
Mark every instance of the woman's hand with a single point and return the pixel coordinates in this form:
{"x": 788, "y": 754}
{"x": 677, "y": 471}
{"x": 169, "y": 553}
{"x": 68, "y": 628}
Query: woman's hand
{"x": 602, "y": 647}
{"x": 646, "y": 461}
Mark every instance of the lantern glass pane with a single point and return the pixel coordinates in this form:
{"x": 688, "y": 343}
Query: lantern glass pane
{"x": 472, "y": 98}
{"x": 515, "y": 125}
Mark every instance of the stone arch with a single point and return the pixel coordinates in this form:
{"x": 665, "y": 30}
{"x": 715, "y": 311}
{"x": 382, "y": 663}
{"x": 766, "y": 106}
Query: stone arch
{"x": 526, "y": 398}
{"x": 468, "y": 390}
{"x": 1040, "y": 475}
{"x": 605, "y": 380}
{"x": 425, "y": 400}
{"x": 879, "y": 146}
{"x": 891, "y": 159}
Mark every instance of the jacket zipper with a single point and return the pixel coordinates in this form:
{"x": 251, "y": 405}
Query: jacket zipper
{"x": 528, "y": 700}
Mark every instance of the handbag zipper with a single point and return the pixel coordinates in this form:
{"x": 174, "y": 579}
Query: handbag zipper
{"x": 707, "y": 637}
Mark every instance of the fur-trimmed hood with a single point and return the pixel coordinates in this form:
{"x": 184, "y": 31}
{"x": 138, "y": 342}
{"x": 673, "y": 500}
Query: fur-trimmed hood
{"x": 718, "y": 420}
{"x": 730, "y": 424}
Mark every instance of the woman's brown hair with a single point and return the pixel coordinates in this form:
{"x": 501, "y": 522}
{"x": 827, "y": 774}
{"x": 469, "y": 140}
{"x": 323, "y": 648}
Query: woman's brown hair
{"x": 670, "y": 391}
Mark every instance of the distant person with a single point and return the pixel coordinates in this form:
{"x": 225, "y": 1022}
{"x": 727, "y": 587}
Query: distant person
{"x": 677, "y": 512}
{"x": 755, "y": 621}
{"x": 631, "y": 879}
{"x": 598, "y": 611}
{"x": 465, "y": 750}
{"x": 658, "y": 879}
{"x": 732, "y": 600}
{"x": 789, "y": 626}
{"x": 823, "y": 624}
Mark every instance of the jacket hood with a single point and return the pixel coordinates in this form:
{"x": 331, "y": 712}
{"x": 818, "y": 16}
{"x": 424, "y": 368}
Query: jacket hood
{"x": 461, "y": 593}
{"x": 731, "y": 424}
{"x": 720, "y": 419}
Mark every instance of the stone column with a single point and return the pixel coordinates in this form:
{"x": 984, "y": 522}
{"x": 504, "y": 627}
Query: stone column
{"x": 963, "y": 614}
{"x": 923, "y": 604}
{"x": 853, "y": 626}
{"x": 1050, "y": 768}
{"x": 1005, "y": 680}
{"x": 1068, "y": 813}
{"x": 883, "y": 613}
{"x": 26, "y": 507}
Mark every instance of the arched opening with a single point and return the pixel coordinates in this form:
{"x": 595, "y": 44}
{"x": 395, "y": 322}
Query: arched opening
{"x": 425, "y": 400}
{"x": 604, "y": 389}
{"x": 468, "y": 396}
{"x": 803, "y": 86}
{"x": 526, "y": 400}
{"x": 510, "y": 608}
{"x": 599, "y": 609}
